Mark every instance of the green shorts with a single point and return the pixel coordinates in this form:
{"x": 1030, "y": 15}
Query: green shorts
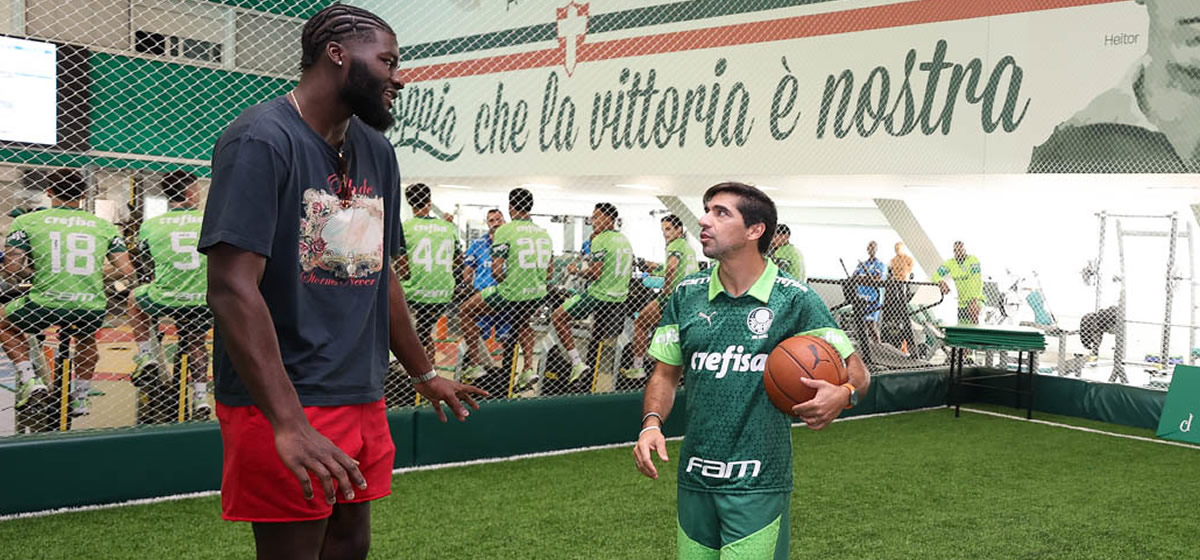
{"x": 515, "y": 312}
{"x": 193, "y": 315}
{"x": 733, "y": 526}
{"x": 31, "y": 317}
{"x": 579, "y": 306}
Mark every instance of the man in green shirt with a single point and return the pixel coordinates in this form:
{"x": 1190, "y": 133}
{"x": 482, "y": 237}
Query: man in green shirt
{"x": 681, "y": 261}
{"x": 608, "y": 267}
{"x": 968, "y": 282}
{"x": 786, "y": 256}
{"x": 431, "y": 256}
{"x": 167, "y": 243}
{"x": 735, "y": 473}
{"x": 522, "y": 263}
{"x": 67, "y": 247}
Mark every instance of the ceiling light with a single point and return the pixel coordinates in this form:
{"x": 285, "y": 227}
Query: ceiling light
{"x": 456, "y": 187}
{"x": 637, "y": 187}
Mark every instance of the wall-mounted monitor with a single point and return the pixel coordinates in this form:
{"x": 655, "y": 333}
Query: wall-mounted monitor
{"x": 28, "y": 91}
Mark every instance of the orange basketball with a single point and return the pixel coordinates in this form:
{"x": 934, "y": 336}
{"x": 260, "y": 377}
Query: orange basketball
{"x": 796, "y": 358}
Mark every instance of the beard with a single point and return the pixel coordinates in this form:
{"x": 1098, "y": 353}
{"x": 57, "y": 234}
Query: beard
{"x": 363, "y": 94}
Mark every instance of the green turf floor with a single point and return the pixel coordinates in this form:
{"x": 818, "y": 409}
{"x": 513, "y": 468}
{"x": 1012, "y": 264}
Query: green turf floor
{"x": 919, "y": 485}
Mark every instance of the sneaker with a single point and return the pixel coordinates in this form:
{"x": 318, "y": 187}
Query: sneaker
{"x": 146, "y": 369}
{"x": 201, "y": 409}
{"x": 473, "y": 373}
{"x": 633, "y": 373}
{"x": 32, "y": 388}
{"x": 526, "y": 380}
{"x": 80, "y": 406}
{"x": 577, "y": 371}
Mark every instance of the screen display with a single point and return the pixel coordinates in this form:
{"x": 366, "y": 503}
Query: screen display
{"x": 28, "y": 91}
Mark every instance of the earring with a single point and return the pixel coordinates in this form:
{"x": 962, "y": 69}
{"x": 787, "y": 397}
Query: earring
{"x": 339, "y": 63}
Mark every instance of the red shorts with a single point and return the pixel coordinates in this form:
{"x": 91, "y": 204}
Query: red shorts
{"x": 255, "y": 486}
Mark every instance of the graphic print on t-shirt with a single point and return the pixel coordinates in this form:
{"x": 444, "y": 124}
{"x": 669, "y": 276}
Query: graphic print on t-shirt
{"x": 346, "y": 243}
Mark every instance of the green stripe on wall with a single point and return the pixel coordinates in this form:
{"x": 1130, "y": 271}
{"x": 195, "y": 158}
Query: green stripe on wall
{"x": 600, "y": 23}
{"x": 141, "y": 106}
{"x": 294, "y": 8}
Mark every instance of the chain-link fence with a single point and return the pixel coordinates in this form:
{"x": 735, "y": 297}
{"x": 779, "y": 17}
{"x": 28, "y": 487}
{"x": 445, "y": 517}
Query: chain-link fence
{"x": 1045, "y": 137}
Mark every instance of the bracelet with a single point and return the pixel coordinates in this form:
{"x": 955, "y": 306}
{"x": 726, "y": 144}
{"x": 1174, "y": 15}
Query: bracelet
{"x": 648, "y": 428}
{"x": 654, "y": 414}
{"x": 419, "y": 379}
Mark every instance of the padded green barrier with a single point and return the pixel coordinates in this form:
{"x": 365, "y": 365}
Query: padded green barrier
{"x": 1105, "y": 402}
{"x": 505, "y": 428}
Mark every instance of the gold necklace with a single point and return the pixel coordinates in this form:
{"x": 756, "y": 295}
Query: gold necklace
{"x": 292, "y": 94}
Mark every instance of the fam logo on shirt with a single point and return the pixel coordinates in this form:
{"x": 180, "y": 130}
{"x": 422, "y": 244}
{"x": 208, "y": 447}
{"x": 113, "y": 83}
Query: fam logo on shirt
{"x": 345, "y": 243}
{"x": 759, "y": 321}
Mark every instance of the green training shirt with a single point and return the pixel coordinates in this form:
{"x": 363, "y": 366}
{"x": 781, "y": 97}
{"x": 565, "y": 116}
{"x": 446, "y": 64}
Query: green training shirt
{"x": 180, "y": 271}
{"x": 680, "y": 249}
{"x": 968, "y": 278}
{"x": 432, "y": 244}
{"x": 613, "y": 250}
{"x": 526, "y": 250}
{"x": 67, "y": 247}
{"x": 736, "y": 441}
{"x": 790, "y": 260}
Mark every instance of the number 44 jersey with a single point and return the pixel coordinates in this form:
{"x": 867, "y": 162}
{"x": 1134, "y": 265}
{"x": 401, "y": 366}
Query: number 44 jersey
{"x": 67, "y": 247}
{"x": 180, "y": 271}
{"x": 431, "y": 245}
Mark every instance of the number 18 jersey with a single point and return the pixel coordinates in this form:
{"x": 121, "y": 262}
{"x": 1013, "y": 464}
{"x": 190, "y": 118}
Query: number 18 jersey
{"x": 526, "y": 250}
{"x": 180, "y": 271}
{"x": 67, "y": 247}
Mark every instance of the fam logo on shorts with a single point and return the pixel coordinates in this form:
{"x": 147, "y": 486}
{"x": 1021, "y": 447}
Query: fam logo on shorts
{"x": 759, "y": 321}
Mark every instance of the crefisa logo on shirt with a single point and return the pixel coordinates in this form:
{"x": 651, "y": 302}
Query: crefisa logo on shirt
{"x": 759, "y": 321}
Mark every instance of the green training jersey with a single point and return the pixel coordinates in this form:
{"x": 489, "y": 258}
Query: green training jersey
{"x": 736, "y": 442}
{"x": 612, "y": 251}
{"x": 180, "y": 271}
{"x": 432, "y": 244}
{"x": 680, "y": 249}
{"x": 526, "y": 250}
{"x": 790, "y": 260}
{"x": 968, "y": 278}
{"x": 67, "y": 247}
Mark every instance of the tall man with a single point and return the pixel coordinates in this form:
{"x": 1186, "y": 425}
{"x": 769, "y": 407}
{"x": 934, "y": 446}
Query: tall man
{"x": 786, "y": 256}
{"x": 871, "y": 269}
{"x": 522, "y": 256}
{"x": 427, "y": 269}
{"x": 718, "y": 313}
{"x": 302, "y": 218}
{"x": 681, "y": 261}
{"x": 168, "y": 243}
{"x": 968, "y": 282}
{"x": 608, "y": 266}
{"x": 67, "y": 247}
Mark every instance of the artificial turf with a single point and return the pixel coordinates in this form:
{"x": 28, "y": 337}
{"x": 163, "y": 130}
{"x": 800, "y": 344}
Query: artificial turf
{"x": 918, "y": 485}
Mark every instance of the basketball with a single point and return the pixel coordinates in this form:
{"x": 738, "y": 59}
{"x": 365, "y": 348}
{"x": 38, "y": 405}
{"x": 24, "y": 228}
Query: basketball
{"x": 795, "y": 358}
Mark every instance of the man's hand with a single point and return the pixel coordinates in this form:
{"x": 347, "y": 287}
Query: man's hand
{"x": 439, "y": 390}
{"x": 650, "y": 440}
{"x": 822, "y": 409}
{"x": 304, "y": 450}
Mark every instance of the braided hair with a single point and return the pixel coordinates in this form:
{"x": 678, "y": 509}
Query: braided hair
{"x": 338, "y": 22}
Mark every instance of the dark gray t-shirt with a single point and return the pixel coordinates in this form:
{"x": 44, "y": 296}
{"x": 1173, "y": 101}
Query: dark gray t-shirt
{"x": 274, "y": 193}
